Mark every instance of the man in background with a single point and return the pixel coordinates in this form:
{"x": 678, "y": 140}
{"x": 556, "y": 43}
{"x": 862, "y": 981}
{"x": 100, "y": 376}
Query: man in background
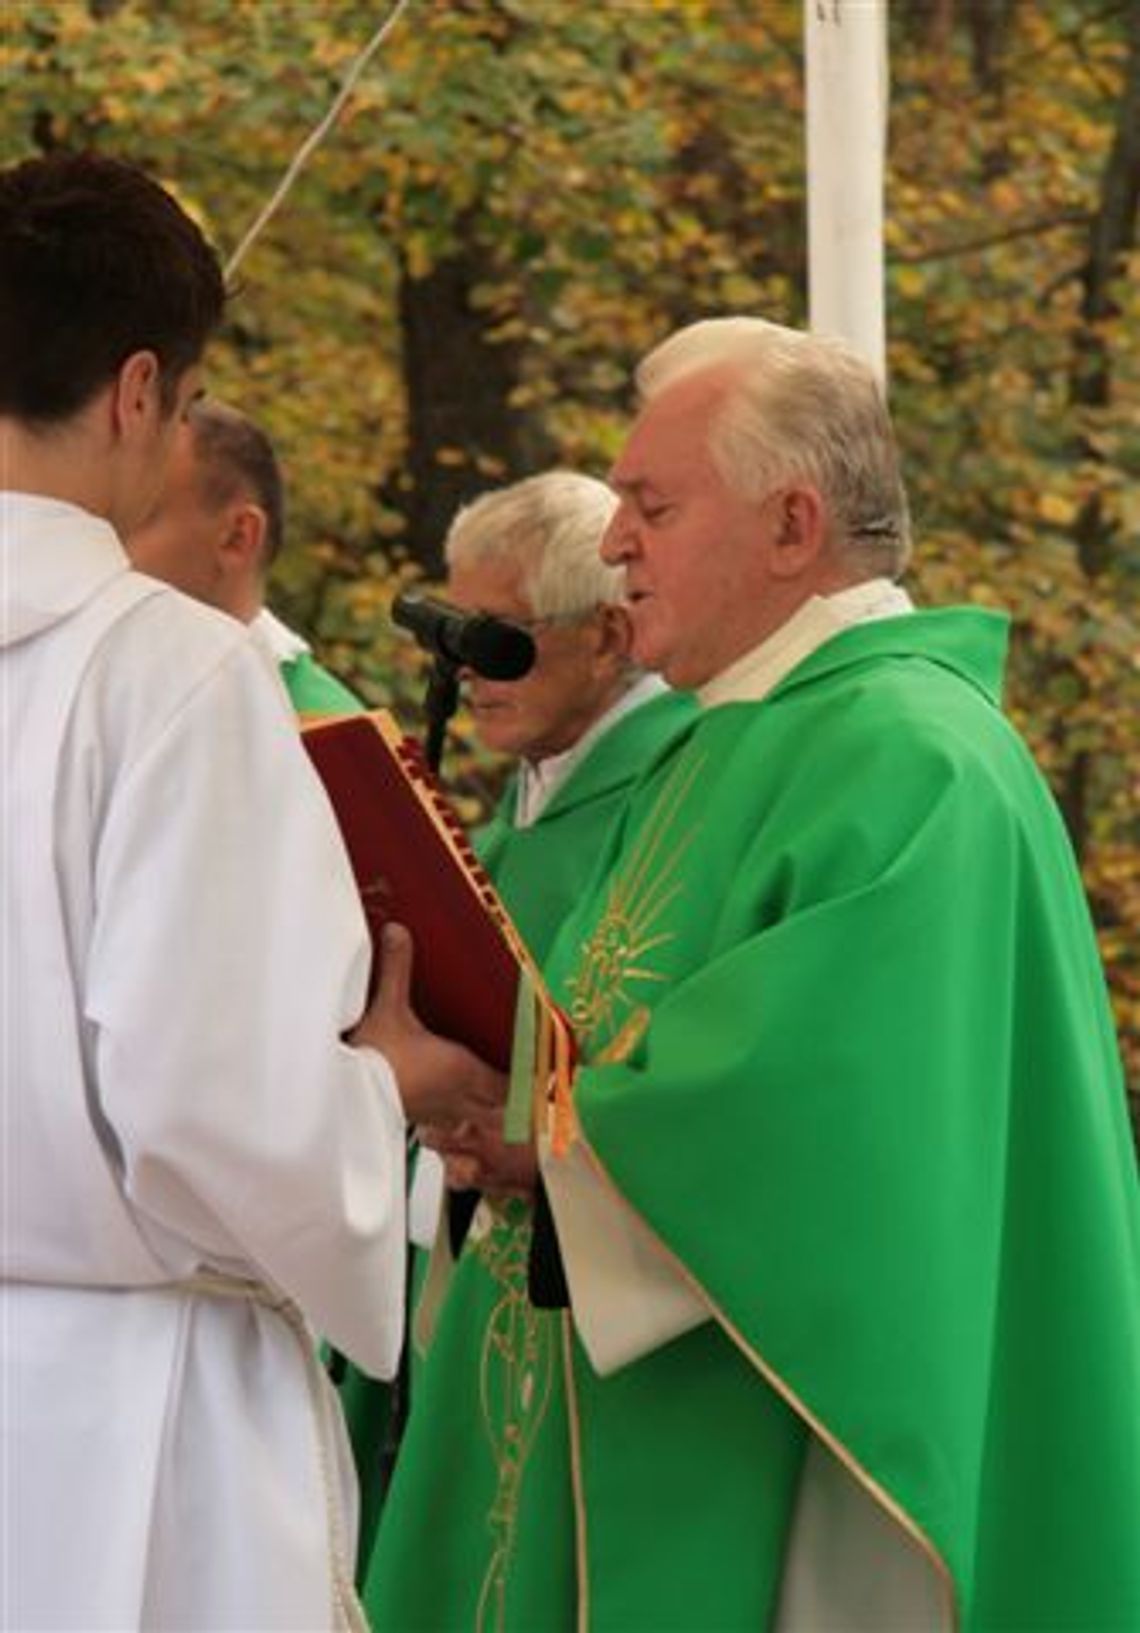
{"x": 581, "y": 726}
{"x": 216, "y": 531}
{"x": 196, "y": 1163}
{"x": 845, "y": 1195}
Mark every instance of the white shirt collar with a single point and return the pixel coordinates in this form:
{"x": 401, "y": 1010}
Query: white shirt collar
{"x": 755, "y": 674}
{"x": 540, "y": 781}
{"x": 282, "y": 643}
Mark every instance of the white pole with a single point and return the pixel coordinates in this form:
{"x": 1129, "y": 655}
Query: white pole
{"x": 845, "y": 54}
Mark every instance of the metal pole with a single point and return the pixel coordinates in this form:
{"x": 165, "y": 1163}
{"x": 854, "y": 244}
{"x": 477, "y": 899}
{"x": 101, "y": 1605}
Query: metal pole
{"x": 845, "y": 56}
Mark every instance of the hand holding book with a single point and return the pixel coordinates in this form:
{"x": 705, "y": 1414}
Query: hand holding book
{"x": 439, "y": 1081}
{"x": 477, "y": 1157}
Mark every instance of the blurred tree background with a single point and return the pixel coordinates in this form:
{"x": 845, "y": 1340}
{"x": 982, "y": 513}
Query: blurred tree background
{"x": 523, "y": 195}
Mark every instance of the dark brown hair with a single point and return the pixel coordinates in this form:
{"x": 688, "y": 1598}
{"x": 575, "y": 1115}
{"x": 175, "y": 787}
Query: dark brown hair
{"x": 97, "y": 261}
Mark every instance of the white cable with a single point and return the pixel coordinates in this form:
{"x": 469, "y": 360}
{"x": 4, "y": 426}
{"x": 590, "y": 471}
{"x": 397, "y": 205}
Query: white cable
{"x": 316, "y": 136}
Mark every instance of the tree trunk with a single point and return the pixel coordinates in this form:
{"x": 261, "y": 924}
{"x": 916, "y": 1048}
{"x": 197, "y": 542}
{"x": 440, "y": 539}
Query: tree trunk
{"x": 989, "y": 23}
{"x": 1111, "y": 237}
{"x": 463, "y": 432}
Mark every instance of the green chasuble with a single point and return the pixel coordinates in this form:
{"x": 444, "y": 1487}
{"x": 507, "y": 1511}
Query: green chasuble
{"x": 314, "y": 690}
{"x": 541, "y": 870}
{"x": 482, "y": 1400}
{"x": 849, "y": 1058}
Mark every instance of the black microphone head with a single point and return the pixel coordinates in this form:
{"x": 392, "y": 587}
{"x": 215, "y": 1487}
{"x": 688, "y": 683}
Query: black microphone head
{"x": 494, "y": 647}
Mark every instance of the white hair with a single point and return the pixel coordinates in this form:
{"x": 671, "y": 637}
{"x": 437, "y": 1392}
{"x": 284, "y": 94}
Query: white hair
{"x": 552, "y": 526}
{"x": 797, "y": 407}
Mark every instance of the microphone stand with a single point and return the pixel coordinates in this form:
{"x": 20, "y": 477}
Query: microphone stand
{"x": 440, "y": 702}
{"x": 546, "y": 1277}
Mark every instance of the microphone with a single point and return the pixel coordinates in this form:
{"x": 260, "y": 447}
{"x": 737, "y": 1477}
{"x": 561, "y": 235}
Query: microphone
{"x": 493, "y": 647}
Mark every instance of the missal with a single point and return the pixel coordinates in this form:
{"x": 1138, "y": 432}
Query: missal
{"x": 472, "y": 976}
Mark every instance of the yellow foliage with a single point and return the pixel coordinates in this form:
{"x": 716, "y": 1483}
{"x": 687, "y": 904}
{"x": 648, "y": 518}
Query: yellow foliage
{"x": 605, "y": 171}
{"x": 1057, "y": 509}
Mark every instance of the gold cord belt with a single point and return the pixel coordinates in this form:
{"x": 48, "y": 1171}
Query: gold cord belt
{"x": 347, "y": 1614}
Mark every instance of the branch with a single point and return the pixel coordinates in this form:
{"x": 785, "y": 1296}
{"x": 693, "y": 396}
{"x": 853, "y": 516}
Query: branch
{"x": 1026, "y": 229}
{"x": 315, "y": 137}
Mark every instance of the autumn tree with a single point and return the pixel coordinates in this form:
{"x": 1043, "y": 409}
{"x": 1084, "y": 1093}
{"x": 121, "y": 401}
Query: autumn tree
{"x": 523, "y": 195}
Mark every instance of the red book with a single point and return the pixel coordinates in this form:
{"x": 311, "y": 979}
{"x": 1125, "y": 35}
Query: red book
{"x": 413, "y": 864}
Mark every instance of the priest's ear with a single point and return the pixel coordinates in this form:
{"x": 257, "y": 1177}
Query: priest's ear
{"x": 615, "y": 632}
{"x": 800, "y": 532}
{"x": 244, "y": 538}
{"x": 241, "y": 554}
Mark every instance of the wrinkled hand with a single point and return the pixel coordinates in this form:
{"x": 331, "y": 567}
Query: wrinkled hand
{"x": 475, "y": 1157}
{"x": 439, "y": 1081}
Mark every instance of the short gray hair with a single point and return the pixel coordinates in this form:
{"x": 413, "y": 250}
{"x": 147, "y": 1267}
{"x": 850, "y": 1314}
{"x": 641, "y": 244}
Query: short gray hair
{"x": 800, "y": 407}
{"x": 552, "y": 526}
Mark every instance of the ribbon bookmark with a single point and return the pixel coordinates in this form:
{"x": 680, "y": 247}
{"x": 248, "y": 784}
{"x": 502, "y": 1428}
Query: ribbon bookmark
{"x": 517, "y": 1126}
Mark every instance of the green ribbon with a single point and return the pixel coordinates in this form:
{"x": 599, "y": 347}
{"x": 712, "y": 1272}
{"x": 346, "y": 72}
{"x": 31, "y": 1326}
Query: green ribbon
{"x": 517, "y": 1114}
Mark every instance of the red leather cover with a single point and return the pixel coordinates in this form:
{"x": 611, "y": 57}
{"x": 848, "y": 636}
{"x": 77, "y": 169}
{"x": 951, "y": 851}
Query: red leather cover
{"x": 413, "y": 864}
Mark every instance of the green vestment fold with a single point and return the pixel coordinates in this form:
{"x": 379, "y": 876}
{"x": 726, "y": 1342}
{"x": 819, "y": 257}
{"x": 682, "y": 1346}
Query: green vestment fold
{"x": 541, "y": 871}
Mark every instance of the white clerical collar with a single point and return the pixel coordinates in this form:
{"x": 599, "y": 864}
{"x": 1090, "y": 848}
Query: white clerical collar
{"x": 539, "y": 781}
{"x": 755, "y": 674}
{"x": 282, "y": 643}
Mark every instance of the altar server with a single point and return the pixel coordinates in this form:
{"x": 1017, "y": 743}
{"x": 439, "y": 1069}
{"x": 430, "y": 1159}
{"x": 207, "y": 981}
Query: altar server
{"x": 197, "y": 1164}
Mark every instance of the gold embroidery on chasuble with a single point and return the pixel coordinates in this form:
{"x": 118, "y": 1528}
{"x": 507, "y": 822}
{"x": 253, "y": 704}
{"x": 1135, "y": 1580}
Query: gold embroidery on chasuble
{"x": 521, "y": 1345}
{"x": 516, "y": 1375}
{"x": 618, "y": 959}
